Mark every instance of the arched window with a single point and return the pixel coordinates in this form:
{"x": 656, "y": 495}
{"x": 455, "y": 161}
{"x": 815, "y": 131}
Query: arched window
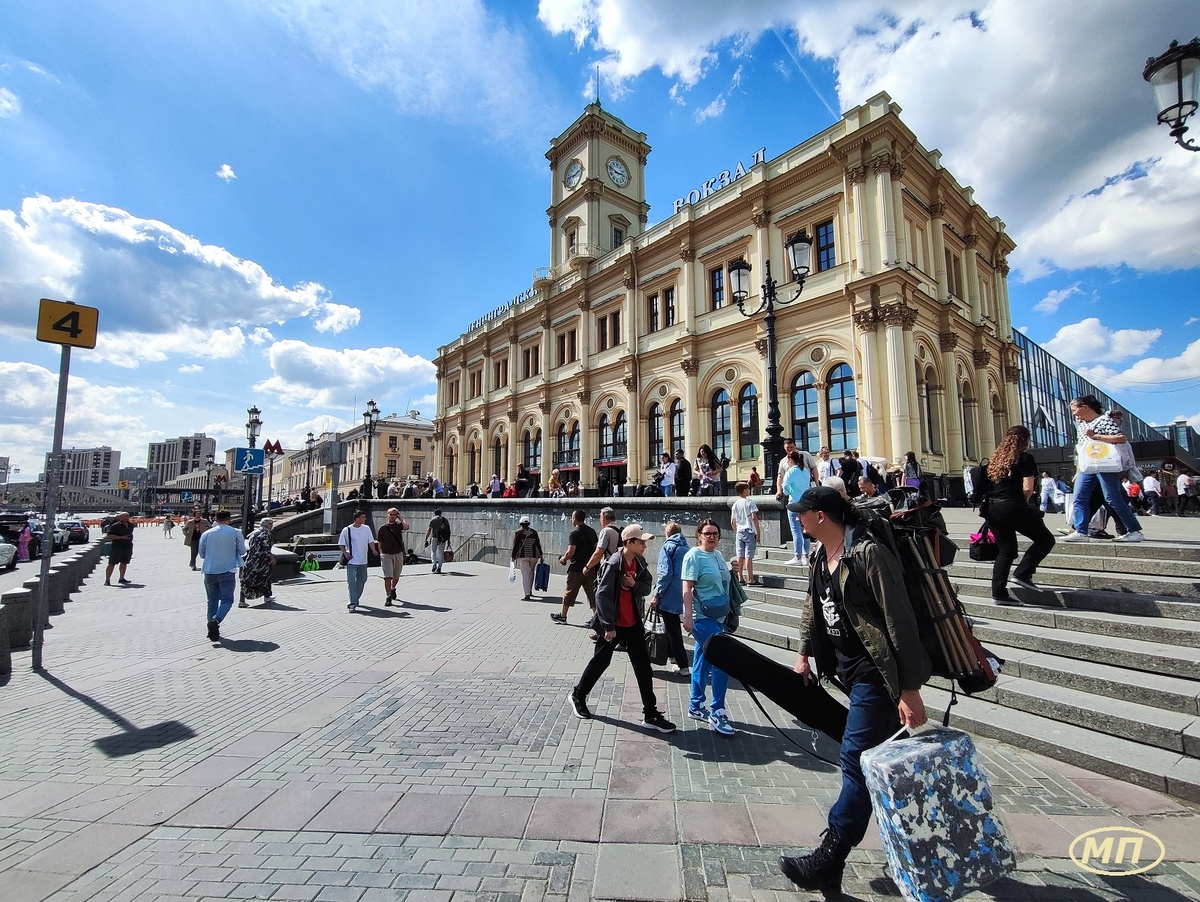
{"x": 563, "y": 439}
{"x": 450, "y": 474}
{"x": 498, "y": 458}
{"x": 722, "y": 435}
{"x": 654, "y": 434}
{"x": 606, "y": 437}
{"x": 806, "y": 427}
{"x": 620, "y": 435}
{"x": 472, "y": 463}
{"x": 675, "y": 424}
{"x": 748, "y": 435}
{"x": 970, "y": 446}
{"x": 931, "y": 421}
{"x": 843, "y": 409}
{"x": 532, "y": 445}
{"x": 574, "y": 437}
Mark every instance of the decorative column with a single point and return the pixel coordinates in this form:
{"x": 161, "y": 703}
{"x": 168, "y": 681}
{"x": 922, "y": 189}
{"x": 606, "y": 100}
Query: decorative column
{"x": 857, "y": 177}
{"x": 972, "y": 266}
{"x": 870, "y": 402}
{"x": 691, "y": 401}
{"x": 897, "y": 173}
{"x": 981, "y": 358}
{"x": 546, "y": 461}
{"x": 1012, "y": 378}
{"x": 688, "y": 302}
{"x": 1003, "y": 311}
{"x": 952, "y": 425}
{"x": 895, "y": 318}
{"x": 882, "y": 167}
{"x": 936, "y": 225}
{"x": 586, "y": 440}
{"x": 635, "y": 463}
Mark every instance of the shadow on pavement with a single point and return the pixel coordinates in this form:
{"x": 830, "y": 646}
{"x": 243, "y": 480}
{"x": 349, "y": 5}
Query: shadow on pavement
{"x": 758, "y": 746}
{"x": 247, "y": 645}
{"x": 412, "y": 605}
{"x": 133, "y": 739}
{"x": 381, "y": 612}
{"x": 275, "y": 606}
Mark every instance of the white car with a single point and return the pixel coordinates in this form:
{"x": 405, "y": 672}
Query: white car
{"x": 8, "y": 556}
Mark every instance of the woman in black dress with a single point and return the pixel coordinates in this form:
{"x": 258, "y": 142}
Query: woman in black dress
{"x": 1010, "y": 507}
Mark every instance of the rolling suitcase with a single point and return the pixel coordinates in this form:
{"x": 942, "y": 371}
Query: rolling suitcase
{"x": 541, "y": 577}
{"x": 934, "y": 808}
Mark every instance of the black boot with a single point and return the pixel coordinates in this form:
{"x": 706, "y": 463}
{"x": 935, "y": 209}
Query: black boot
{"x": 822, "y": 869}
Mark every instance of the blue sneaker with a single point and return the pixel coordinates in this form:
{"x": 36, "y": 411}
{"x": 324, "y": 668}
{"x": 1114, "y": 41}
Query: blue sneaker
{"x": 720, "y": 722}
{"x": 700, "y": 713}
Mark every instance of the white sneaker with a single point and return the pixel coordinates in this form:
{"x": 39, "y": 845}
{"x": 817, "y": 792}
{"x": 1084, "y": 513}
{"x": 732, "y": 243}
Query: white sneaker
{"x": 1135, "y": 536}
{"x": 720, "y": 722}
{"x": 1077, "y": 537}
{"x": 794, "y": 562}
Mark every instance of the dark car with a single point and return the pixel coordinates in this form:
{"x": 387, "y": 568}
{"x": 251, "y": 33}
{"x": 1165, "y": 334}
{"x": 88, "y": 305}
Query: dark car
{"x": 77, "y": 533}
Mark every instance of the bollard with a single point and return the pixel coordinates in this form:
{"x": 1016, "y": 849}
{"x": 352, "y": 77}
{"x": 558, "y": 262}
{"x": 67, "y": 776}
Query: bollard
{"x": 5, "y": 650}
{"x": 59, "y": 589}
{"x": 18, "y": 607}
{"x": 32, "y": 586}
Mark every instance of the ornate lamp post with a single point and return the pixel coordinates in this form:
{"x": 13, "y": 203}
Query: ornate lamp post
{"x": 208, "y": 468}
{"x": 799, "y": 248}
{"x": 253, "y": 428}
{"x": 308, "y": 444}
{"x": 370, "y": 421}
{"x": 1175, "y": 77}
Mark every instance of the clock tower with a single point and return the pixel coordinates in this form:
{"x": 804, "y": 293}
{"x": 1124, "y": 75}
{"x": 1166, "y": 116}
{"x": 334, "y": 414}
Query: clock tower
{"x": 598, "y": 188}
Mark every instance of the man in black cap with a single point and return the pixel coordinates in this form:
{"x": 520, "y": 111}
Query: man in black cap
{"x": 860, "y": 629}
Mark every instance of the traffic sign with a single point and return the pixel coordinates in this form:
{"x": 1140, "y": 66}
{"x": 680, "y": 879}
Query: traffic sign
{"x": 248, "y": 460}
{"x": 63, "y": 323}
{"x": 186, "y": 496}
{"x": 123, "y": 484}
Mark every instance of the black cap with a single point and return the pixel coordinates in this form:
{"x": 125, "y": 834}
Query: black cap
{"x": 820, "y": 498}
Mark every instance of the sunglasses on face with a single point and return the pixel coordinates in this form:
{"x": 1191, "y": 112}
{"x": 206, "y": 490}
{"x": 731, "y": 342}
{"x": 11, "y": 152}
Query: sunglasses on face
{"x": 710, "y": 535}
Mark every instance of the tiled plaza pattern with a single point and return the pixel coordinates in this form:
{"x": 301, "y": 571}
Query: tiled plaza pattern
{"x": 427, "y": 752}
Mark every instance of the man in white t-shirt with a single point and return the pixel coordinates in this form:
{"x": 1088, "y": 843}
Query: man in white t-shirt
{"x": 785, "y": 463}
{"x": 356, "y": 542}
{"x": 1152, "y": 490}
{"x": 743, "y": 520}
{"x": 828, "y": 466}
{"x": 1183, "y": 489}
{"x": 1048, "y": 488}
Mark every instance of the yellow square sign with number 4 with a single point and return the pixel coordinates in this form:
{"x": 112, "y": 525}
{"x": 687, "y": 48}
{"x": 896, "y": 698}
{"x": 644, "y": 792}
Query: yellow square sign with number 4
{"x": 62, "y": 323}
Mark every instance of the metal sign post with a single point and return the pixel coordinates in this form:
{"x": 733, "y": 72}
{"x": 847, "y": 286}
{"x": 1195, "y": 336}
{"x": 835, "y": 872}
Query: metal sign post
{"x": 63, "y": 324}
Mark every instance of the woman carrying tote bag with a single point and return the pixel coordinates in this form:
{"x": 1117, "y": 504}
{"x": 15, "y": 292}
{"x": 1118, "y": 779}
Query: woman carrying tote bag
{"x": 1099, "y": 463}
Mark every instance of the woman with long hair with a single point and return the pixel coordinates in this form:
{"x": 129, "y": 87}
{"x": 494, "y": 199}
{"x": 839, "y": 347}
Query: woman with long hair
{"x": 708, "y": 471}
{"x": 1093, "y": 425}
{"x": 1009, "y": 508}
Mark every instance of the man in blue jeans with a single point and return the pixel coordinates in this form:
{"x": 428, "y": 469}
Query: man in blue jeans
{"x": 356, "y": 542}
{"x": 860, "y": 629}
{"x": 223, "y": 549}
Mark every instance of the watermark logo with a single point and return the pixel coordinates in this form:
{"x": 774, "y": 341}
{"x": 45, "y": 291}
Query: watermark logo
{"x": 1117, "y": 851}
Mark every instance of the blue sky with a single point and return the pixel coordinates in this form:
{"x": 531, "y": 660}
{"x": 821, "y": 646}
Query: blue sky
{"x": 292, "y": 204}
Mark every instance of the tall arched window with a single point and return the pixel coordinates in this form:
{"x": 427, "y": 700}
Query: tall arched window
{"x": 722, "y": 435}
{"x": 843, "y": 409}
{"x": 654, "y": 434}
{"x": 563, "y": 439}
{"x": 748, "y": 435}
{"x": 931, "y": 420}
{"x": 574, "y": 437}
{"x": 498, "y": 458}
{"x": 970, "y": 446}
{"x": 606, "y": 437}
{"x": 675, "y": 425}
{"x": 806, "y": 426}
{"x": 620, "y": 435}
{"x": 532, "y": 445}
{"x": 472, "y": 463}
{"x": 450, "y": 457}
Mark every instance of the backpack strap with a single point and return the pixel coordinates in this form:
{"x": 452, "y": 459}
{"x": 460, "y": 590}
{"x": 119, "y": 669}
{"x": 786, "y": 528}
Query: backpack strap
{"x": 807, "y": 751}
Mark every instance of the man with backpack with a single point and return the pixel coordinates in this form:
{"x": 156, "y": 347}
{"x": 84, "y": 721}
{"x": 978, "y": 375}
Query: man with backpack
{"x": 437, "y": 537}
{"x": 861, "y": 631}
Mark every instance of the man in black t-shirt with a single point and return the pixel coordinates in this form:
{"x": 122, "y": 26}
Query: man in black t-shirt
{"x": 120, "y": 535}
{"x": 582, "y": 544}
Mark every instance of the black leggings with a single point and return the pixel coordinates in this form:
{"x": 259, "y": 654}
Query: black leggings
{"x": 674, "y": 629}
{"x": 1006, "y": 519}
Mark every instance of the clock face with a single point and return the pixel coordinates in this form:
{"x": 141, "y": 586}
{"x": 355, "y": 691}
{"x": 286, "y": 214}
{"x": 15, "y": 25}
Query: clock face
{"x": 617, "y": 172}
{"x": 573, "y": 174}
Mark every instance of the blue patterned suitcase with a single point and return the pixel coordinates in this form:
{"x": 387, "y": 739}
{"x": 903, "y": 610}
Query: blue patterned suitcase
{"x": 934, "y": 809}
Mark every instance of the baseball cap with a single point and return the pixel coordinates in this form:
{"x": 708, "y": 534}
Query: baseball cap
{"x": 524, "y": 521}
{"x": 820, "y": 498}
{"x": 635, "y": 531}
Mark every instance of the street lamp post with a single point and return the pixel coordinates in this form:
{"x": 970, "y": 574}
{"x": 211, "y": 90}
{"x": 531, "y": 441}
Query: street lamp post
{"x": 253, "y": 428}
{"x": 8, "y": 471}
{"x": 798, "y": 247}
{"x": 370, "y": 421}
{"x": 308, "y": 444}
{"x": 208, "y": 468}
{"x": 1175, "y": 78}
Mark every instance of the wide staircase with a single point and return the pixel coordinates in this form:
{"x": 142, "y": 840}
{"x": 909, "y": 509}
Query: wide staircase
{"x": 1103, "y": 672}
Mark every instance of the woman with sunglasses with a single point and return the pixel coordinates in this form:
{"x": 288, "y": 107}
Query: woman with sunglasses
{"x": 705, "y": 607}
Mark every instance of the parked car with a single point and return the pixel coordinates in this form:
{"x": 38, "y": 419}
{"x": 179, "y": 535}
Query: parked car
{"x": 77, "y": 533}
{"x": 8, "y": 556}
{"x": 10, "y": 531}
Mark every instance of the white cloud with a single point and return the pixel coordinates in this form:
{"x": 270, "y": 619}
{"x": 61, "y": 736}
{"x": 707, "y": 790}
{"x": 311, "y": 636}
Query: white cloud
{"x": 1151, "y": 371}
{"x": 305, "y": 375}
{"x": 226, "y": 173}
{"x": 189, "y": 368}
{"x": 1052, "y": 301}
{"x": 10, "y": 104}
{"x": 714, "y": 109}
{"x": 160, "y": 291}
{"x": 454, "y": 60}
{"x": 1192, "y": 320}
{"x": 1034, "y": 104}
{"x": 1090, "y": 341}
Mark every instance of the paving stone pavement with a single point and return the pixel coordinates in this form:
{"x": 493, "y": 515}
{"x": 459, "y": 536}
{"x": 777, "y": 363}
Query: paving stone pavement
{"x": 427, "y": 752}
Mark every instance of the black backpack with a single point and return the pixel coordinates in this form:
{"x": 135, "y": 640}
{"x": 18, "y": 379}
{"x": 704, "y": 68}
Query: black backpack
{"x": 442, "y": 532}
{"x": 981, "y": 484}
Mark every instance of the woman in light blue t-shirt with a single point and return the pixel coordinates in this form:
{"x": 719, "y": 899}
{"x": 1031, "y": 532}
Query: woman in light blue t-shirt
{"x": 705, "y": 607}
{"x": 795, "y": 483}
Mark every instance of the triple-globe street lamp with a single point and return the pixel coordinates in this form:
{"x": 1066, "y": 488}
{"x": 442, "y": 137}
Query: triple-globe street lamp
{"x": 208, "y": 468}
{"x": 370, "y": 421}
{"x": 799, "y": 251}
{"x": 1175, "y": 78}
